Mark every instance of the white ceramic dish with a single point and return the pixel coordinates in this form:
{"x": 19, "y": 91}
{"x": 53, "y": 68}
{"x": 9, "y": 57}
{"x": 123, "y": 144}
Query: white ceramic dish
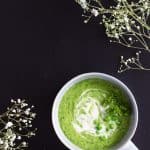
{"x": 125, "y": 143}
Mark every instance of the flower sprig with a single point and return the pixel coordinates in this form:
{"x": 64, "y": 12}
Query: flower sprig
{"x": 127, "y": 23}
{"x": 132, "y": 63}
{"x": 16, "y": 126}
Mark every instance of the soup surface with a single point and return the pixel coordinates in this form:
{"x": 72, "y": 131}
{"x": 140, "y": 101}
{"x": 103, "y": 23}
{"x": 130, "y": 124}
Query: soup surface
{"x": 94, "y": 114}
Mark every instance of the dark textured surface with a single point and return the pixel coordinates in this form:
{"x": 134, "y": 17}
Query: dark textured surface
{"x": 43, "y": 45}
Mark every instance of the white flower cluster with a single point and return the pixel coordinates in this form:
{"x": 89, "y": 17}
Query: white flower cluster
{"x": 133, "y": 63}
{"x": 127, "y": 23}
{"x": 16, "y": 124}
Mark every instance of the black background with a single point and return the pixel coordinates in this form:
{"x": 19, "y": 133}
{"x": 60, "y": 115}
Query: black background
{"x": 44, "y": 44}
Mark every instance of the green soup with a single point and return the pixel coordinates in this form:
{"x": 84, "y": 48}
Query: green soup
{"x": 94, "y": 114}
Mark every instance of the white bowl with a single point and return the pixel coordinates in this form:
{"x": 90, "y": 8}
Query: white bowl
{"x": 125, "y": 143}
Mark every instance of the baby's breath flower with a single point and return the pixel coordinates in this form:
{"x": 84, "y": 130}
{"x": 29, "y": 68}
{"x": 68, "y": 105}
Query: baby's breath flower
{"x": 133, "y": 63}
{"x": 8, "y": 125}
{"x": 1, "y": 141}
{"x": 95, "y": 12}
{"x": 18, "y": 127}
{"x": 126, "y": 22}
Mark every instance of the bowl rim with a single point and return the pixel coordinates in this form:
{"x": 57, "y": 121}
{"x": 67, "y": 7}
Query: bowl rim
{"x": 55, "y": 107}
